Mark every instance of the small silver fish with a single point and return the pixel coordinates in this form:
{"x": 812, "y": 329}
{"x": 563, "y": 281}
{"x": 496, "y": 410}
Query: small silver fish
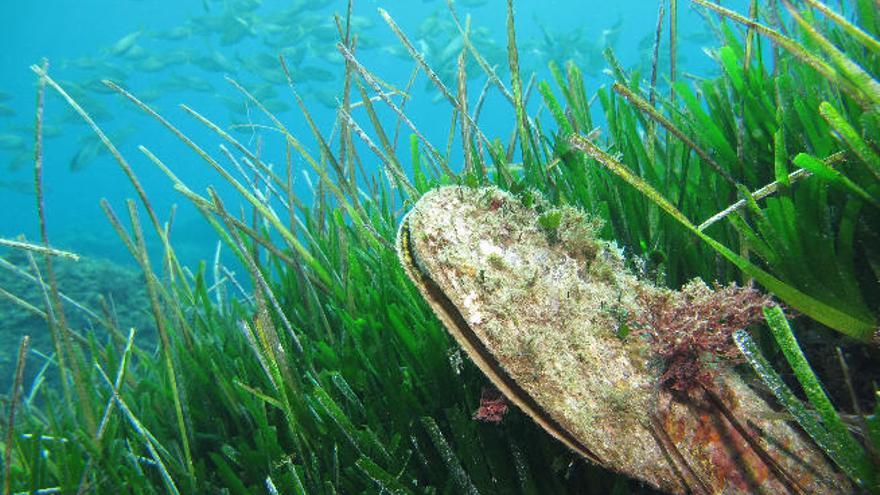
{"x": 11, "y": 141}
{"x": 125, "y": 43}
{"x": 174, "y": 34}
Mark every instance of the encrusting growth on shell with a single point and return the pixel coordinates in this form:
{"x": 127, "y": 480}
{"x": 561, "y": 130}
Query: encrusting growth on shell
{"x": 538, "y": 302}
{"x": 691, "y": 329}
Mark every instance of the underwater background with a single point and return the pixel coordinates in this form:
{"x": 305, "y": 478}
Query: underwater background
{"x": 288, "y": 353}
{"x": 170, "y": 54}
{"x": 182, "y": 54}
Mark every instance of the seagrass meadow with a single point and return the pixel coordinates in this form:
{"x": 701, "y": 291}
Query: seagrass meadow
{"x": 309, "y": 363}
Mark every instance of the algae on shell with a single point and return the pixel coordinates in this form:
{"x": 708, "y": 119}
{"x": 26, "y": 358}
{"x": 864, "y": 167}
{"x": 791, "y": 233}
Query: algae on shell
{"x": 536, "y": 302}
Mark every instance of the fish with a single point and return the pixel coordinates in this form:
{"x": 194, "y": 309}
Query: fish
{"x": 111, "y": 71}
{"x": 276, "y": 105}
{"x": 700, "y": 37}
{"x": 214, "y": 62}
{"x": 646, "y": 43}
{"x": 272, "y": 76}
{"x": 398, "y": 51}
{"x": 17, "y": 186}
{"x": 176, "y": 33}
{"x": 265, "y": 66}
{"x": 136, "y": 53}
{"x": 236, "y": 106}
{"x": 153, "y": 63}
{"x": 179, "y": 82}
{"x": 577, "y": 45}
{"x": 85, "y": 63}
{"x": 6, "y": 111}
{"x": 89, "y": 150}
{"x": 11, "y": 141}
{"x": 452, "y": 49}
{"x": 236, "y": 29}
{"x": 539, "y": 305}
{"x": 361, "y": 23}
{"x": 312, "y": 5}
{"x": 97, "y": 110}
{"x": 97, "y": 85}
{"x": 313, "y": 74}
{"x": 207, "y": 24}
{"x": 325, "y": 33}
{"x": 263, "y": 91}
{"x": 247, "y": 5}
{"x": 125, "y": 43}
{"x": 283, "y": 33}
{"x": 74, "y": 89}
{"x": 328, "y": 98}
{"x": 20, "y": 160}
{"x": 149, "y": 95}
{"x": 4, "y": 96}
{"x": 609, "y": 36}
{"x": 91, "y": 147}
{"x": 96, "y": 107}
{"x": 50, "y": 130}
{"x": 260, "y": 61}
{"x": 366, "y": 43}
{"x": 293, "y": 55}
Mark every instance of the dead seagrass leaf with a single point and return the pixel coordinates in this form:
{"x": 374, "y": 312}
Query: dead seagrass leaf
{"x": 537, "y": 302}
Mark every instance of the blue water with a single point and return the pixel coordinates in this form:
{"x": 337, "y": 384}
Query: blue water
{"x": 84, "y": 41}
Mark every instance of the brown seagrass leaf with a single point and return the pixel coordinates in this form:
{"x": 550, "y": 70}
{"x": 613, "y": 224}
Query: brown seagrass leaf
{"x": 538, "y": 302}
